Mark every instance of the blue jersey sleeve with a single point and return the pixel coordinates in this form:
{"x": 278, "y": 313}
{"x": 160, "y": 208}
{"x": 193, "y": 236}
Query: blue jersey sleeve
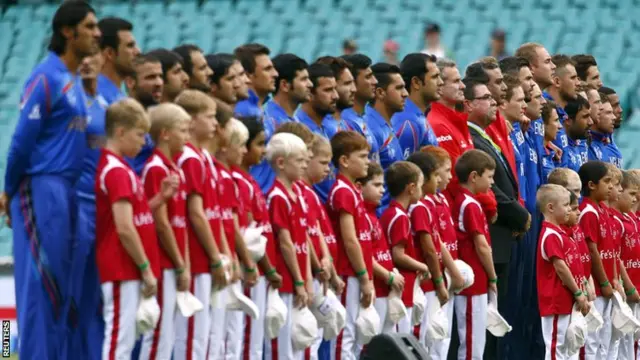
{"x": 429, "y": 137}
{"x": 34, "y": 107}
{"x": 409, "y": 136}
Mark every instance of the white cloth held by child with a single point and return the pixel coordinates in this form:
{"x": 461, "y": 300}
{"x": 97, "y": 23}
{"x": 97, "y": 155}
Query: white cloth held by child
{"x": 622, "y": 316}
{"x": 467, "y": 275}
{"x": 419, "y": 303}
{"x": 367, "y": 324}
{"x": 576, "y": 332}
{"x": 276, "y": 314}
{"x": 496, "y": 324}
{"x": 304, "y": 328}
{"x": 237, "y": 300}
{"x": 594, "y": 319}
{"x": 147, "y": 315}
{"x": 256, "y": 243}
{"x": 188, "y": 304}
{"x": 437, "y": 321}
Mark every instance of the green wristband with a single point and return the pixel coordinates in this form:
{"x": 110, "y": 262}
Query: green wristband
{"x": 298, "y": 283}
{"x": 216, "y": 265}
{"x": 438, "y": 281}
{"x": 179, "y": 270}
{"x": 493, "y": 281}
{"x": 249, "y": 270}
{"x": 143, "y": 266}
{"x": 578, "y": 293}
{"x": 630, "y": 292}
{"x": 270, "y": 272}
{"x": 605, "y": 284}
{"x": 391, "y": 277}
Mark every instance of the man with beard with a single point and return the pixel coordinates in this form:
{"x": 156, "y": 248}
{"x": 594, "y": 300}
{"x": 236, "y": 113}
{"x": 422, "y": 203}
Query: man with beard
{"x": 45, "y": 160}
{"x": 422, "y": 79}
{"x": 195, "y": 66}
{"x": 360, "y": 67}
{"x": 542, "y": 68}
{"x": 601, "y": 147}
{"x": 595, "y": 101}
{"x": 576, "y": 126}
{"x": 119, "y": 49}
{"x": 587, "y": 69}
{"x": 614, "y": 99}
{"x": 173, "y": 74}
{"x": 346, "y": 88}
{"x": 519, "y": 67}
{"x": 564, "y": 88}
{"x": 535, "y": 149}
{"x": 315, "y": 114}
{"x": 226, "y": 81}
{"x": 261, "y": 74}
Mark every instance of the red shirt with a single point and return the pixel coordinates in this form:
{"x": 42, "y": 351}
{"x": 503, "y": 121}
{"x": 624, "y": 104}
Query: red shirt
{"x": 553, "y": 297}
{"x": 199, "y": 180}
{"x": 631, "y": 248}
{"x": 446, "y": 227}
{"x": 244, "y": 188}
{"x": 228, "y": 198}
{"x": 253, "y": 201}
{"x": 286, "y": 213}
{"x": 381, "y": 251}
{"x": 157, "y": 168}
{"x": 616, "y": 229}
{"x": 576, "y": 235}
{"x": 313, "y": 215}
{"x": 397, "y": 227}
{"x": 592, "y": 219}
{"x": 116, "y": 181}
{"x": 344, "y": 197}
{"x": 327, "y": 230}
{"x": 469, "y": 220}
{"x": 423, "y": 220}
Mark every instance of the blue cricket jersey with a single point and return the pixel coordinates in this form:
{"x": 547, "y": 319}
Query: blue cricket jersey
{"x": 520, "y": 150}
{"x": 250, "y": 106}
{"x": 602, "y": 148}
{"x": 96, "y": 138}
{"x": 357, "y": 123}
{"x": 412, "y": 129}
{"x": 575, "y": 154}
{"x": 534, "y": 137}
{"x": 109, "y": 91}
{"x": 561, "y": 140}
{"x": 49, "y": 138}
{"x": 548, "y": 163}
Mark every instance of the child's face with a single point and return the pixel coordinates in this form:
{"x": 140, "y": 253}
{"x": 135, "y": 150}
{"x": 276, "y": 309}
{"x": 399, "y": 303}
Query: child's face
{"x": 445, "y": 175}
{"x": 256, "y": 150}
{"x": 319, "y": 168}
{"x": 430, "y": 185}
{"x": 574, "y": 214}
{"x": 177, "y": 136}
{"x": 415, "y": 193}
{"x": 373, "y": 190}
{"x": 357, "y": 164}
{"x": 616, "y": 190}
{"x": 236, "y": 152}
{"x": 205, "y": 124}
{"x": 628, "y": 199}
{"x": 132, "y": 140}
{"x": 602, "y": 190}
{"x": 483, "y": 182}
{"x": 294, "y": 166}
{"x": 561, "y": 209}
{"x": 574, "y": 185}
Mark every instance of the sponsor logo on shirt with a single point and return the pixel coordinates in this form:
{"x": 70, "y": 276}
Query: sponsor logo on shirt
{"x": 329, "y": 238}
{"x": 34, "y": 114}
{"x": 364, "y": 236}
{"x": 607, "y": 254}
{"x": 179, "y": 221}
{"x": 227, "y": 214}
{"x": 301, "y": 249}
{"x": 212, "y": 213}
{"x": 632, "y": 264}
{"x": 143, "y": 219}
{"x": 445, "y": 138}
{"x": 452, "y": 246}
{"x": 313, "y": 230}
{"x": 383, "y": 256}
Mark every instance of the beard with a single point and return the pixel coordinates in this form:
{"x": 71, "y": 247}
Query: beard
{"x": 146, "y": 99}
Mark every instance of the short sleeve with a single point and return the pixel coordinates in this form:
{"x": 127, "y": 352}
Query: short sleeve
{"x": 343, "y": 200}
{"x": 421, "y": 220}
{"x": 279, "y": 214}
{"x": 119, "y": 185}
{"x": 552, "y": 247}
{"x": 473, "y": 220}
{"x": 153, "y": 180}
{"x": 399, "y": 232}
{"x": 589, "y": 226}
{"x": 194, "y": 176}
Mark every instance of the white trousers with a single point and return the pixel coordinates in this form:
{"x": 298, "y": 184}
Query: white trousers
{"x": 554, "y": 330}
{"x": 158, "y": 344}
{"x": 346, "y": 343}
{"x": 253, "y": 335}
{"x": 471, "y": 314}
{"x": 437, "y": 349}
{"x": 192, "y": 334}
{"x": 217, "y": 332}
{"x": 120, "y": 304}
{"x": 597, "y": 343}
{"x": 381, "y": 305}
{"x": 281, "y": 348}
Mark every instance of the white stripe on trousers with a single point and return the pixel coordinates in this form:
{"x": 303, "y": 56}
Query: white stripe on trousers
{"x": 477, "y": 320}
{"x": 217, "y": 332}
{"x": 120, "y": 304}
{"x": 255, "y": 343}
{"x": 554, "y": 330}
{"x": 597, "y": 344}
{"x": 162, "y": 338}
{"x": 282, "y": 343}
{"x": 381, "y": 305}
{"x": 199, "y": 323}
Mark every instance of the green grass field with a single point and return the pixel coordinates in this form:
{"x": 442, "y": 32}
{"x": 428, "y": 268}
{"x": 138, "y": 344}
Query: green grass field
{"x": 13, "y": 357}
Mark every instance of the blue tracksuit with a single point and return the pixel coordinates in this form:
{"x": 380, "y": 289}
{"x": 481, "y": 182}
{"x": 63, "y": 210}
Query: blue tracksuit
{"x": 412, "y": 129}
{"x": 574, "y": 154}
{"x": 109, "y": 91}
{"x": 330, "y": 126}
{"x": 250, "y": 106}
{"x": 548, "y": 163}
{"x": 561, "y": 140}
{"x": 357, "y": 123}
{"x": 602, "y": 148}
{"x": 45, "y": 160}
{"x": 521, "y": 149}
{"x": 534, "y": 138}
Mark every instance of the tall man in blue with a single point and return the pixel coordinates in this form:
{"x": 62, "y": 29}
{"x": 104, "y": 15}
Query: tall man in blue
{"x": 293, "y": 87}
{"x": 119, "y": 49}
{"x": 360, "y": 67}
{"x": 422, "y": 79}
{"x": 576, "y": 126}
{"x": 174, "y": 77}
{"x": 316, "y": 114}
{"x": 45, "y": 161}
{"x": 564, "y": 88}
{"x": 602, "y": 148}
{"x": 346, "y": 89}
{"x": 226, "y": 81}
{"x": 614, "y": 99}
{"x": 196, "y": 67}
{"x": 262, "y": 74}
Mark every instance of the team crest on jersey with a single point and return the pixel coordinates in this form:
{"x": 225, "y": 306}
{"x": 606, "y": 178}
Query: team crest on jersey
{"x": 598, "y": 152}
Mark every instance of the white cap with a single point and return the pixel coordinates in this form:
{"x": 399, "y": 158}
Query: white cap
{"x": 276, "y": 314}
{"x": 304, "y": 328}
{"x": 188, "y": 304}
{"x": 367, "y": 324}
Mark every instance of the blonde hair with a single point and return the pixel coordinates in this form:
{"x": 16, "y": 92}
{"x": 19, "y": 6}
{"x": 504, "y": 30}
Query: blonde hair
{"x": 561, "y": 176}
{"x": 195, "y": 102}
{"x": 319, "y": 144}
{"x": 284, "y": 145}
{"x": 550, "y": 194}
{"x": 528, "y": 51}
{"x": 127, "y": 113}
{"x": 238, "y": 134}
{"x": 165, "y": 117}
{"x": 616, "y": 174}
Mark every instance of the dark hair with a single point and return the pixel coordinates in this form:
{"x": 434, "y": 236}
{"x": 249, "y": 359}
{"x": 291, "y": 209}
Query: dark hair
{"x": 168, "y": 59}
{"x": 512, "y": 83}
{"x": 561, "y": 61}
{"x": 604, "y": 98}
{"x": 357, "y": 63}
{"x": 415, "y": 65}
{"x": 288, "y": 66}
{"x": 110, "y": 27}
{"x": 374, "y": 170}
{"x": 317, "y": 71}
{"x": 592, "y": 171}
{"x": 247, "y": 55}
{"x": 473, "y": 160}
{"x": 575, "y": 105}
{"x": 511, "y": 65}
{"x": 547, "y": 108}
{"x": 606, "y": 90}
{"x": 477, "y": 73}
{"x": 219, "y": 64}
{"x": 337, "y": 65}
{"x": 69, "y": 14}
{"x": 344, "y": 143}
{"x": 470, "y": 88}
{"x": 254, "y": 125}
{"x": 583, "y": 62}
{"x": 383, "y": 72}
{"x": 142, "y": 59}
{"x": 185, "y": 51}
{"x": 432, "y": 28}
{"x": 399, "y": 175}
{"x": 425, "y": 161}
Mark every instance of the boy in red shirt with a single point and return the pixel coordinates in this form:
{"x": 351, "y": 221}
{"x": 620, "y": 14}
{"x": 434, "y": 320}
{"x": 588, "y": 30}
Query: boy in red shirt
{"x": 206, "y": 239}
{"x": 287, "y": 155}
{"x": 384, "y": 278}
{"x": 126, "y": 244}
{"x": 404, "y": 182}
{"x": 254, "y": 206}
{"x": 557, "y": 269}
{"x": 348, "y": 215}
{"x": 170, "y": 132}
{"x": 474, "y": 170}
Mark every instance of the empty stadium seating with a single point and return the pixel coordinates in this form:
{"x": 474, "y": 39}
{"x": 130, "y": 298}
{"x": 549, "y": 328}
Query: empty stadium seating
{"x": 607, "y": 28}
